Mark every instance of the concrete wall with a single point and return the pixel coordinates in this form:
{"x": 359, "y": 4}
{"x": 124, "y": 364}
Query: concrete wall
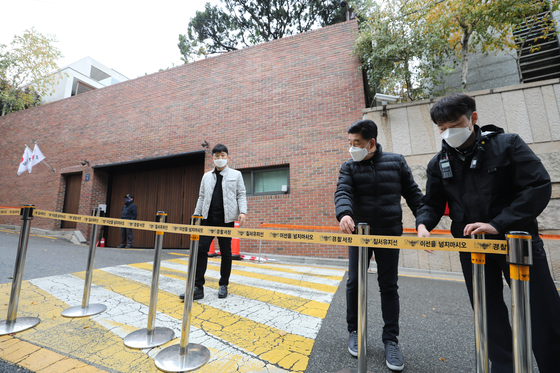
{"x": 486, "y": 72}
{"x": 81, "y": 71}
{"x": 531, "y": 110}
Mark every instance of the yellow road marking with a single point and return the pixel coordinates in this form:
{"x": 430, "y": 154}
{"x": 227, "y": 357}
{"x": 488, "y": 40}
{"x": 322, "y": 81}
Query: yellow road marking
{"x": 33, "y": 235}
{"x": 81, "y": 338}
{"x": 289, "y": 352}
{"x": 282, "y": 280}
{"x": 38, "y": 359}
{"x": 290, "y": 302}
{"x": 280, "y": 268}
{"x": 179, "y": 254}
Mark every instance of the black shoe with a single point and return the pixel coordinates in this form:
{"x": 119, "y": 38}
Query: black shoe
{"x": 393, "y": 356}
{"x": 128, "y": 246}
{"x": 222, "y": 293}
{"x": 198, "y": 293}
{"x": 120, "y": 246}
{"x": 353, "y": 343}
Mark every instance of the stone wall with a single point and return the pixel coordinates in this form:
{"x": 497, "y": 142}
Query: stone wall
{"x": 531, "y": 110}
{"x": 486, "y": 71}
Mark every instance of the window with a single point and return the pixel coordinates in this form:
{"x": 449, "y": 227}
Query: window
{"x": 261, "y": 181}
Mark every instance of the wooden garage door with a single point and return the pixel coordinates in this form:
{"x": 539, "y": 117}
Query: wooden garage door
{"x": 173, "y": 190}
{"x": 72, "y": 198}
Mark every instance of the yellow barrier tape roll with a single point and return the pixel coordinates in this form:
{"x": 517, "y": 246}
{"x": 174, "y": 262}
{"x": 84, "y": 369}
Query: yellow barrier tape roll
{"x": 415, "y": 243}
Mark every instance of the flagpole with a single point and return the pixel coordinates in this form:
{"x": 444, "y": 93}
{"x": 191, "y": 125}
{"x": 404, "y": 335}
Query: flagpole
{"x": 45, "y": 162}
{"x": 49, "y": 166}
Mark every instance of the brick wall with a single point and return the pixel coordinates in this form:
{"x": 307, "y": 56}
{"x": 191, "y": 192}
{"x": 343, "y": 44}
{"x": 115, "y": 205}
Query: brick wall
{"x": 288, "y": 101}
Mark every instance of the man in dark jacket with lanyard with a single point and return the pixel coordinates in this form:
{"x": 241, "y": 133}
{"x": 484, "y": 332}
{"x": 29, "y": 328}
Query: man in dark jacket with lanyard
{"x": 493, "y": 183}
{"x": 128, "y": 212}
{"x": 369, "y": 190}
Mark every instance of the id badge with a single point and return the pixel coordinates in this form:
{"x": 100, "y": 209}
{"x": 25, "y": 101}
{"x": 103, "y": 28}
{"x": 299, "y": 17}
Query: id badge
{"x": 445, "y": 168}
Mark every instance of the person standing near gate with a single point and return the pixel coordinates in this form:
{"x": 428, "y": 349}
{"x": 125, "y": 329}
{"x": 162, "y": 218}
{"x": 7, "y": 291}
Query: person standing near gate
{"x": 128, "y": 212}
{"x": 221, "y": 202}
{"x": 493, "y": 183}
{"x": 369, "y": 190}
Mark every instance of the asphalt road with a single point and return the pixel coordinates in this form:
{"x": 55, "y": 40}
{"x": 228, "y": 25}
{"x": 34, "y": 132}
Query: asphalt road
{"x": 50, "y": 256}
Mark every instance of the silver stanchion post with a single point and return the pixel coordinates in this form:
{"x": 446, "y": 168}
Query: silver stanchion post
{"x": 520, "y": 257}
{"x": 363, "y": 229}
{"x": 479, "y": 305}
{"x": 13, "y": 324}
{"x": 87, "y": 309}
{"x": 152, "y": 336}
{"x": 259, "y": 260}
{"x": 185, "y": 356}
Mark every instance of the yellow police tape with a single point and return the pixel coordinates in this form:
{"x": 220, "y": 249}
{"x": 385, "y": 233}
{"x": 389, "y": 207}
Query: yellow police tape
{"x": 443, "y": 244}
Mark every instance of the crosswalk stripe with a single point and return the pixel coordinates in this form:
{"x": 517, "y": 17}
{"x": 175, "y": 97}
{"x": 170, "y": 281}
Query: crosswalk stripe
{"x": 263, "y": 313}
{"x": 327, "y": 273}
{"x": 284, "y": 274}
{"x": 295, "y": 303}
{"x": 313, "y": 282}
{"x": 318, "y": 292}
{"x": 288, "y": 351}
{"x": 124, "y": 315}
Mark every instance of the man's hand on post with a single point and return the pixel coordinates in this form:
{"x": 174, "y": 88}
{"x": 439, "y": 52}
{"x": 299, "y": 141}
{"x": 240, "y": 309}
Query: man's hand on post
{"x": 347, "y": 224}
{"x": 241, "y": 218}
{"x": 478, "y": 228}
{"x": 424, "y": 233}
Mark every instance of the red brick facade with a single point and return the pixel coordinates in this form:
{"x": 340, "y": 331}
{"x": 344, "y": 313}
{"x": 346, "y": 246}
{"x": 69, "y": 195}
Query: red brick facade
{"x": 288, "y": 101}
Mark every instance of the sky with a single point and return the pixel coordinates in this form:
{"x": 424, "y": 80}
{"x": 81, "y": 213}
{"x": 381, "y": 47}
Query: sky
{"x": 133, "y": 37}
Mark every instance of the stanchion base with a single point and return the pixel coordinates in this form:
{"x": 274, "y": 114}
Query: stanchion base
{"x": 236, "y": 257}
{"x": 18, "y": 325}
{"x": 79, "y": 311}
{"x": 170, "y": 359}
{"x": 351, "y": 370}
{"x": 141, "y": 339}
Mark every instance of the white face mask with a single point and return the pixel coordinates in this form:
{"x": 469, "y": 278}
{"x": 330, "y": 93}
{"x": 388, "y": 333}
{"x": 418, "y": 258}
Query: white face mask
{"x": 358, "y": 154}
{"x": 220, "y": 162}
{"x": 456, "y": 137}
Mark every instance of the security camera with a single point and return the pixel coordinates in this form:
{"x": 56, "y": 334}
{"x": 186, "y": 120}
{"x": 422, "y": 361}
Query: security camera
{"x": 83, "y": 163}
{"x": 386, "y": 98}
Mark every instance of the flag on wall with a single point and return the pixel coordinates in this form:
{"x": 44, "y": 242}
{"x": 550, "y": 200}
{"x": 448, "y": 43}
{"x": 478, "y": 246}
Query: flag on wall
{"x": 26, "y": 161}
{"x": 37, "y": 157}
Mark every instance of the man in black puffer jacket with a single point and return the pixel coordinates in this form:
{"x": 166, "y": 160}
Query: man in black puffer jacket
{"x": 369, "y": 190}
{"x": 493, "y": 183}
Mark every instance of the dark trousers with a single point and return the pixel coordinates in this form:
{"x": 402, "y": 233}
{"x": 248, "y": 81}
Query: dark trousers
{"x": 202, "y": 259}
{"x": 387, "y": 277}
{"x": 127, "y": 232}
{"x": 544, "y": 305}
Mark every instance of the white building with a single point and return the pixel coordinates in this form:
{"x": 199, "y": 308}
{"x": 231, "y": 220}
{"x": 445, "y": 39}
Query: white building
{"x": 83, "y": 76}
